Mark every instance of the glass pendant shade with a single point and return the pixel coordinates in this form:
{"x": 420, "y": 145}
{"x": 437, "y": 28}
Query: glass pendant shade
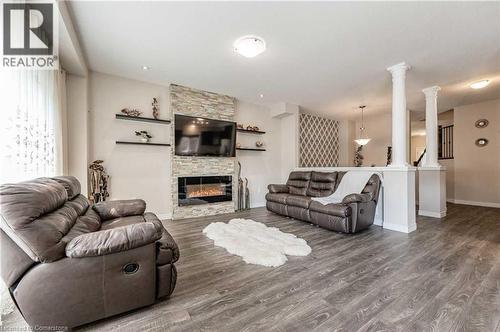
{"x": 362, "y": 141}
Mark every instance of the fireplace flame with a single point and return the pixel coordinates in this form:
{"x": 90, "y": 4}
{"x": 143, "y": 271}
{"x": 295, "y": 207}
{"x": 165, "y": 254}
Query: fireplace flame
{"x": 207, "y": 191}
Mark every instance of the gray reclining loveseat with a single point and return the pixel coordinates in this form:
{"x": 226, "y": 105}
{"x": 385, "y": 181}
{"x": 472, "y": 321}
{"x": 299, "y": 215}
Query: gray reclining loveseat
{"x": 294, "y": 199}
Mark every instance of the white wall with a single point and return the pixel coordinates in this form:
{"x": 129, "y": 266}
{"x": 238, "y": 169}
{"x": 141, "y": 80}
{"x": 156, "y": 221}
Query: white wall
{"x": 378, "y": 128}
{"x": 77, "y": 128}
{"x": 261, "y": 168}
{"x": 477, "y": 170}
{"x": 136, "y": 171}
{"x": 347, "y": 145}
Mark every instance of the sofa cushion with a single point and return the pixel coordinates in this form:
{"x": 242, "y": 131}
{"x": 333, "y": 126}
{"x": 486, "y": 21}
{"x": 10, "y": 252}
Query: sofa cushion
{"x": 322, "y": 184}
{"x": 299, "y": 201}
{"x": 23, "y": 202}
{"x": 89, "y": 222}
{"x": 37, "y": 216}
{"x": 277, "y": 198}
{"x": 298, "y": 182}
{"x": 338, "y": 210}
{"x": 71, "y": 184}
{"x": 119, "y": 222}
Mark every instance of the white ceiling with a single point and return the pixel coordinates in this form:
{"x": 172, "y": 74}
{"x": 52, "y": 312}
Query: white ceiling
{"x": 328, "y": 57}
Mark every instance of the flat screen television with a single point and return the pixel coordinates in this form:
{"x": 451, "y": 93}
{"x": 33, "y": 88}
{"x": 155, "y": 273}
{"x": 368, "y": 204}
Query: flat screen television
{"x": 196, "y": 136}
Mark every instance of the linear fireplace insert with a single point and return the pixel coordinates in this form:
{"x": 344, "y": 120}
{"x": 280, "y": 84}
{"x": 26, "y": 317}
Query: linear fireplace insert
{"x": 194, "y": 190}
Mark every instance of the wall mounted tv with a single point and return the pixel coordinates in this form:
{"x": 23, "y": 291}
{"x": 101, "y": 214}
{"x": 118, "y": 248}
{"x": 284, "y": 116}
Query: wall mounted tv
{"x": 196, "y": 136}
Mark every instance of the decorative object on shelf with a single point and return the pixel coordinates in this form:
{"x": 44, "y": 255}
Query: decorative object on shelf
{"x": 259, "y": 144}
{"x": 145, "y": 136}
{"x": 98, "y": 182}
{"x": 238, "y": 145}
{"x": 156, "y": 108}
{"x": 249, "y": 128}
{"x": 240, "y": 188}
{"x": 131, "y": 112}
{"x": 247, "y": 195}
{"x": 482, "y": 123}
{"x": 389, "y": 155}
{"x": 481, "y": 142}
{"x": 243, "y": 192}
{"x": 358, "y": 157}
{"x": 239, "y": 126}
{"x": 255, "y": 128}
{"x": 362, "y": 140}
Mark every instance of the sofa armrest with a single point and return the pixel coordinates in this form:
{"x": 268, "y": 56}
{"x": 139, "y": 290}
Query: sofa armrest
{"x": 121, "y": 208}
{"x": 167, "y": 249}
{"x": 277, "y": 188}
{"x": 357, "y": 198}
{"x": 113, "y": 240}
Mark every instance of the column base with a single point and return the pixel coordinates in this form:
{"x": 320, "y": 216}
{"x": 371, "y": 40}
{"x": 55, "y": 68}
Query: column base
{"x": 399, "y": 199}
{"x": 400, "y": 228}
{"x": 432, "y": 191}
{"x": 432, "y": 214}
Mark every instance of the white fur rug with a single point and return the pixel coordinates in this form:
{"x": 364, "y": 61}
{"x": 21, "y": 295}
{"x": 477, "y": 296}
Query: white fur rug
{"x": 255, "y": 242}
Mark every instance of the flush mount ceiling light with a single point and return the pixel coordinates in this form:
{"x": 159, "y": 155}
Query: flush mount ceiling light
{"x": 480, "y": 84}
{"x": 146, "y": 68}
{"x": 249, "y": 46}
{"x": 362, "y": 140}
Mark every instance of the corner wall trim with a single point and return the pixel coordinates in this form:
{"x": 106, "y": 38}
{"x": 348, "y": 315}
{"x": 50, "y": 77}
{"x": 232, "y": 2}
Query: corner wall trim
{"x": 485, "y": 204}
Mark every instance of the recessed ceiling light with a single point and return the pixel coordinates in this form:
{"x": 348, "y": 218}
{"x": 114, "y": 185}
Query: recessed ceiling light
{"x": 261, "y": 95}
{"x": 480, "y": 84}
{"x": 146, "y": 68}
{"x": 249, "y": 46}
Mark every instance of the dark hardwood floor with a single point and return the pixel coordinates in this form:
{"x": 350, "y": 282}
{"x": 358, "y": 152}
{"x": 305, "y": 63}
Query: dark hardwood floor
{"x": 443, "y": 277}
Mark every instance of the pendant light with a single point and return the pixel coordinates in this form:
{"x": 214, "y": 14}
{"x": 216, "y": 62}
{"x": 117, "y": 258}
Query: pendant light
{"x": 362, "y": 140}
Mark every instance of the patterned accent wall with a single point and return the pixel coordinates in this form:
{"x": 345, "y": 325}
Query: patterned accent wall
{"x": 318, "y": 141}
{"x": 193, "y": 102}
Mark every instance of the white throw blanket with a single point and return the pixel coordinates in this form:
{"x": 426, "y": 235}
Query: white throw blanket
{"x": 255, "y": 242}
{"x": 352, "y": 182}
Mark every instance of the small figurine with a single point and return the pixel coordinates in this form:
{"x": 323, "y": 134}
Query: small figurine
{"x": 156, "y": 108}
{"x": 249, "y": 128}
{"x": 145, "y": 136}
{"x": 239, "y": 126}
{"x": 131, "y": 112}
{"x": 259, "y": 144}
{"x": 255, "y": 128}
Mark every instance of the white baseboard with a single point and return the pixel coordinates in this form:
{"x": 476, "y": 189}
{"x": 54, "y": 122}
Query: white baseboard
{"x": 432, "y": 214}
{"x": 485, "y": 204}
{"x": 400, "y": 228}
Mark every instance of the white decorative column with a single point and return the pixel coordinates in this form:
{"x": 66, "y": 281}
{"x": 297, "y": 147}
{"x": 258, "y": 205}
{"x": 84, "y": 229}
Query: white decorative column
{"x": 431, "y": 176}
{"x": 431, "y": 126}
{"x": 399, "y": 115}
{"x": 399, "y": 177}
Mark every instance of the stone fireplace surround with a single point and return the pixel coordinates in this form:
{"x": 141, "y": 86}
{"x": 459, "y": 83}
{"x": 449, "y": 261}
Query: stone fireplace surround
{"x": 193, "y": 102}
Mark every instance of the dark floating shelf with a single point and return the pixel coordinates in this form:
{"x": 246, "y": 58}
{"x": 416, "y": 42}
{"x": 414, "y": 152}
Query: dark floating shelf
{"x": 141, "y": 143}
{"x": 250, "y": 149}
{"x": 142, "y": 119}
{"x": 258, "y": 132}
